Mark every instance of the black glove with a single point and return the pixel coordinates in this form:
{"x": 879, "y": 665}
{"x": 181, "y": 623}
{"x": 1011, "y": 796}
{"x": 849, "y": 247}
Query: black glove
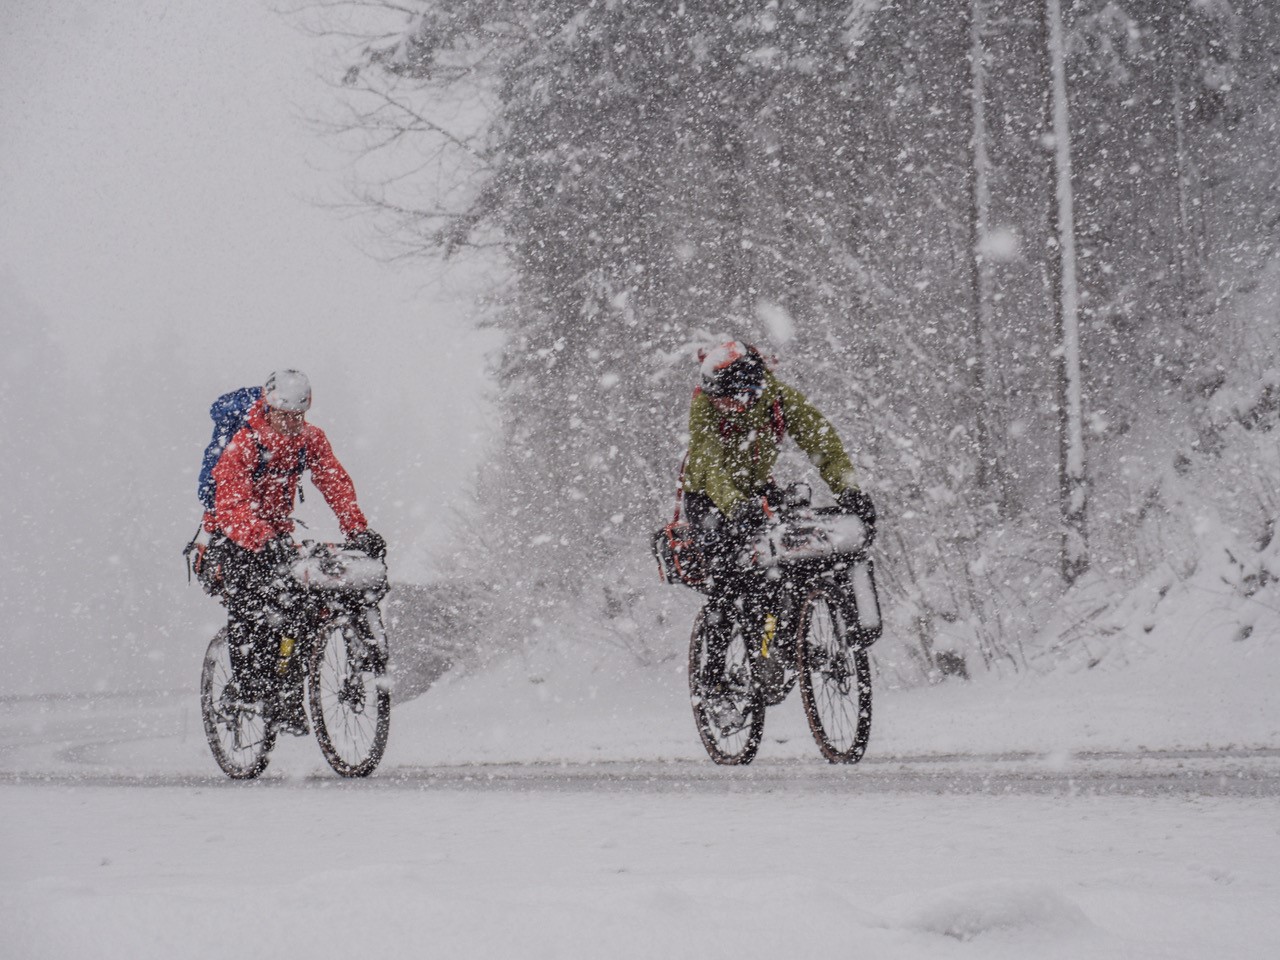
{"x": 369, "y": 542}
{"x": 748, "y": 517}
{"x": 859, "y": 504}
{"x": 279, "y": 551}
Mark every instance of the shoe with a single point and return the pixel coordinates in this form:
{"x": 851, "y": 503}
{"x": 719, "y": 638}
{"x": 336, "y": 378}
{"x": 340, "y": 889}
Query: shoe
{"x": 288, "y": 716}
{"x": 295, "y": 725}
{"x": 720, "y": 708}
{"x": 728, "y": 718}
{"x": 232, "y": 703}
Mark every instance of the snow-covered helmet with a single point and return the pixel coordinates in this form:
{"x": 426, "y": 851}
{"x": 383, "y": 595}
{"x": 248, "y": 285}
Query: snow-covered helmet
{"x": 732, "y": 375}
{"x": 288, "y": 390}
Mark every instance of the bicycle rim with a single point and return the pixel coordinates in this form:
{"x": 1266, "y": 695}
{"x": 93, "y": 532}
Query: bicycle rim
{"x": 728, "y": 709}
{"x": 835, "y": 681}
{"x": 350, "y": 701}
{"x": 238, "y": 734}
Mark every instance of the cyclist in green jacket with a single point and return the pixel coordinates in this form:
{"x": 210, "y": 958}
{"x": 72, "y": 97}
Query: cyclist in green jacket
{"x": 737, "y": 421}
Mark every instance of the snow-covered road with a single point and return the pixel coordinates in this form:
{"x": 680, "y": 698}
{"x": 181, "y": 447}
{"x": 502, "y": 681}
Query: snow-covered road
{"x": 120, "y": 840}
{"x": 322, "y": 868}
{"x": 1225, "y": 773}
{"x": 156, "y": 740}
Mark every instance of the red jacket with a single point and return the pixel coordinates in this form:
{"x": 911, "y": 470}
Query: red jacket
{"x": 252, "y": 510}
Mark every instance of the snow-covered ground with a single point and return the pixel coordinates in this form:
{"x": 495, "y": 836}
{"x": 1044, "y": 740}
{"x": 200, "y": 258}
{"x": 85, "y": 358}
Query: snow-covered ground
{"x": 339, "y": 870}
{"x": 559, "y": 805}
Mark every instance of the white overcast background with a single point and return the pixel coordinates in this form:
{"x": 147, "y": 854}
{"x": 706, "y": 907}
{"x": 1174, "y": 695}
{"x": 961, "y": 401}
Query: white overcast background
{"x": 168, "y": 231}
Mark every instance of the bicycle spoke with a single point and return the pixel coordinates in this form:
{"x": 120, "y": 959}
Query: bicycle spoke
{"x": 836, "y": 693}
{"x": 728, "y": 709}
{"x": 349, "y": 704}
{"x": 237, "y": 732}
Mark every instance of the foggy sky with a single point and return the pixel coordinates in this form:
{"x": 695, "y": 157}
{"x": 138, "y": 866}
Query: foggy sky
{"x": 163, "y": 225}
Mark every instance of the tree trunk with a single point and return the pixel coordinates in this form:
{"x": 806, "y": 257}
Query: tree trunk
{"x": 980, "y": 195}
{"x": 1073, "y": 487}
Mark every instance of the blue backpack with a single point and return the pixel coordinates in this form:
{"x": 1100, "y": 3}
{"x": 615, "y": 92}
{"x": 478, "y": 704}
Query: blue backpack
{"x": 230, "y": 412}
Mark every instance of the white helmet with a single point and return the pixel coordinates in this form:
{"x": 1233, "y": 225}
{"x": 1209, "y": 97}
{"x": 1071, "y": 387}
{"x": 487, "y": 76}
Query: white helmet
{"x": 288, "y": 390}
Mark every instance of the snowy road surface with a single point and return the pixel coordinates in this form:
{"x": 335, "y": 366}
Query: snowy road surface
{"x": 1226, "y": 773}
{"x": 1157, "y": 854}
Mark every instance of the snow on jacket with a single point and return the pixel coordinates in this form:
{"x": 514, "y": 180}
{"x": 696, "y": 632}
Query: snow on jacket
{"x": 732, "y": 455}
{"x": 252, "y": 510}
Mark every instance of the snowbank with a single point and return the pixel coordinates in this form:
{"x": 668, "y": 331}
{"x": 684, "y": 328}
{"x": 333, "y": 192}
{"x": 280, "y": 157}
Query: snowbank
{"x": 1171, "y": 671}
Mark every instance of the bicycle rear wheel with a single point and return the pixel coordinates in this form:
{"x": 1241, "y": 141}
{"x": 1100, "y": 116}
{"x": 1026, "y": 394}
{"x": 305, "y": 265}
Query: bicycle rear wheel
{"x": 728, "y": 707}
{"x": 350, "y": 696}
{"x": 237, "y": 730}
{"x": 835, "y": 680}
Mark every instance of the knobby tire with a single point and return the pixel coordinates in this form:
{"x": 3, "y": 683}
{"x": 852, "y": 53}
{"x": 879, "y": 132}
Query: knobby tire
{"x": 239, "y": 735}
{"x": 835, "y": 680}
{"x": 350, "y": 699}
{"x": 739, "y": 746}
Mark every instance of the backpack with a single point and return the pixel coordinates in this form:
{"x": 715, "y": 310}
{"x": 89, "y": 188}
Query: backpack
{"x": 230, "y": 413}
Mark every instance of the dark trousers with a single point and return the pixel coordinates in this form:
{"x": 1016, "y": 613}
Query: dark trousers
{"x": 256, "y": 597}
{"x": 734, "y": 592}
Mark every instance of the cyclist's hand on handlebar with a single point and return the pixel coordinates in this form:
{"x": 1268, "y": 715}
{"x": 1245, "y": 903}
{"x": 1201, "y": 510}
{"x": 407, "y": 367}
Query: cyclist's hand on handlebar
{"x": 369, "y": 542}
{"x": 859, "y": 504}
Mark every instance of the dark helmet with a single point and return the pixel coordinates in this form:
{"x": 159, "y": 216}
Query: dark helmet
{"x": 732, "y": 375}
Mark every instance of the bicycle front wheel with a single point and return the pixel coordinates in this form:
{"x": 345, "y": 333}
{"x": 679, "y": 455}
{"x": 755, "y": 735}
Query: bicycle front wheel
{"x": 728, "y": 706}
{"x": 351, "y": 696}
{"x": 835, "y": 680}
{"x": 237, "y": 730}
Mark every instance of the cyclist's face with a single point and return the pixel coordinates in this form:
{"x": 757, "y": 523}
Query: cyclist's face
{"x": 738, "y": 402}
{"x": 286, "y": 422}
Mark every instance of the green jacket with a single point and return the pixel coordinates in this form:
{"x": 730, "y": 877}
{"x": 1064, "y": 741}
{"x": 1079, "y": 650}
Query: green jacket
{"x": 731, "y": 456}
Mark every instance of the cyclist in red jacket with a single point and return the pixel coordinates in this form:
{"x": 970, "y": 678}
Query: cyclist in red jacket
{"x": 256, "y": 481}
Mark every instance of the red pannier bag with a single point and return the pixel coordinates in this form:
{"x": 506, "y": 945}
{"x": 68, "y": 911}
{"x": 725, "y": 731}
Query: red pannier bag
{"x": 680, "y": 559}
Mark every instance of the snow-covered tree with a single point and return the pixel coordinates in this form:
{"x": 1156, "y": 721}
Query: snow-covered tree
{"x": 819, "y": 178}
